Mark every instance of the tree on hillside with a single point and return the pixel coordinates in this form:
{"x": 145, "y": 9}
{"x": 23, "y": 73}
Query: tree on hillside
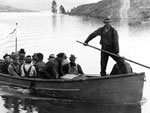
{"x": 54, "y": 7}
{"x": 62, "y": 10}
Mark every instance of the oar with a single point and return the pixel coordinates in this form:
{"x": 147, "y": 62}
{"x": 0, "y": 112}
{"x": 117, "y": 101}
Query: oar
{"x": 114, "y": 55}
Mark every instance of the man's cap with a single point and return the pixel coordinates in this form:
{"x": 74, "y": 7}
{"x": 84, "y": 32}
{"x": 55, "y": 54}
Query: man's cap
{"x": 72, "y": 56}
{"x": 21, "y": 51}
{"x": 14, "y": 56}
{"x": 107, "y": 19}
{"x": 51, "y": 56}
{"x": 39, "y": 56}
{"x": 28, "y": 58}
{"x": 6, "y": 55}
{"x": 61, "y": 55}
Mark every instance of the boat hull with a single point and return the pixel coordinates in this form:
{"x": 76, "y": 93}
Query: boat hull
{"x": 117, "y": 89}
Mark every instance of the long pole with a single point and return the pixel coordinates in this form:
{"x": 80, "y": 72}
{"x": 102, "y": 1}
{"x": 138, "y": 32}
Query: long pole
{"x": 16, "y": 39}
{"x": 114, "y": 54}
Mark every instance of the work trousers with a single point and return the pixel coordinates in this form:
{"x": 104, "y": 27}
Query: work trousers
{"x": 104, "y": 61}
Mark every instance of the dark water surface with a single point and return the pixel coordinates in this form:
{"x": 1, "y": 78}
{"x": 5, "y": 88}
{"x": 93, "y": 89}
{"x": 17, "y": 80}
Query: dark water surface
{"x": 30, "y": 104}
{"x": 18, "y": 100}
{"x": 16, "y": 105}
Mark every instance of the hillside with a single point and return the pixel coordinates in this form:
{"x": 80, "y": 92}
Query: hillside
{"x": 99, "y": 9}
{"x": 5, "y": 8}
{"x": 137, "y": 12}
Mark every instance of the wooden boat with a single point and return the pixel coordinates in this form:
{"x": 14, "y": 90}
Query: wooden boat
{"x": 117, "y": 89}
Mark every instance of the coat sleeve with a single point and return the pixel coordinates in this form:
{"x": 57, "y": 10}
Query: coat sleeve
{"x": 65, "y": 68}
{"x": 80, "y": 71}
{"x": 93, "y": 35}
{"x": 55, "y": 72}
{"x": 115, "y": 41}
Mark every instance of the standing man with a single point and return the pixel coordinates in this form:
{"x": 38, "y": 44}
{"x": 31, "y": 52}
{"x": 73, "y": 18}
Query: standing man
{"x": 109, "y": 42}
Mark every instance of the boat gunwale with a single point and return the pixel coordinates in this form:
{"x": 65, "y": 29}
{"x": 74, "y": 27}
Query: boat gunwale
{"x": 74, "y": 90}
{"x": 75, "y": 80}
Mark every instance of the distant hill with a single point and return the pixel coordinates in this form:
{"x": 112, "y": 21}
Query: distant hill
{"x": 139, "y": 10}
{"x": 99, "y": 9}
{"x": 5, "y": 8}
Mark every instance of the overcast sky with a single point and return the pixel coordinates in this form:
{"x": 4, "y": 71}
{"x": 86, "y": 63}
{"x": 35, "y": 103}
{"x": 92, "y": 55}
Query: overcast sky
{"x": 45, "y": 4}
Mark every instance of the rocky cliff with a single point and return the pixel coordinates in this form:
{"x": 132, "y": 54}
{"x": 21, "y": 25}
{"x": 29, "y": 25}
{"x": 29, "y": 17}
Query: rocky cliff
{"x": 138, "y": 11}
{"x": 99, "y": 9}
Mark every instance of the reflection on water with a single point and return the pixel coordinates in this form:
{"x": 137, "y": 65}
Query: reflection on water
{"x": 17, "y": 104}
{"x": 17, "y": 100}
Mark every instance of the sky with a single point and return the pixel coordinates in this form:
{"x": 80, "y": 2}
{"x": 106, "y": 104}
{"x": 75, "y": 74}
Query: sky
{"x": 45, "y": 5}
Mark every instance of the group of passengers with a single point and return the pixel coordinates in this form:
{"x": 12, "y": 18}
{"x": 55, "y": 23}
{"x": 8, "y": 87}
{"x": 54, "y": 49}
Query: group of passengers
{"x": 21, "y": 65}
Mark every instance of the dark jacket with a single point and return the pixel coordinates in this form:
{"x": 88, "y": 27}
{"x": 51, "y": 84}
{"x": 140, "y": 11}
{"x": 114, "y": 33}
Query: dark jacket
{"x": 41, "y": 70}
{"x": 123, "y": 69}
{"x": 109, "y": 40}
{"x": 4, "y": 68}
{"x": 54, "y": 69}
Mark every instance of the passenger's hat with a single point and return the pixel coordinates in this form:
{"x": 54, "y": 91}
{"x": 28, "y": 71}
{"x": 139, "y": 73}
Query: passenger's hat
{"x": 28, "y": 58}
{"x": 107, "y": 19}
{"x": 61, "y": 55}
{"x": 6, "y": 55}
{"x": 51, "y": 56}
{"x": 21, "y": 51}
{"x": 39, "y": 56}
{"x": 72, "y": 56}
{"x": 15, "y": 56}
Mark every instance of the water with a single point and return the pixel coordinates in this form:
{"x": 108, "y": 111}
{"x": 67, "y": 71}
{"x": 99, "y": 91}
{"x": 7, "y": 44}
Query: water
{"x": 46, "y": 33}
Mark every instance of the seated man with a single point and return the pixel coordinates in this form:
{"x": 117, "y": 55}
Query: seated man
{"x": 40, "y": 66}
{"x": 122, "y": 65}
{"x": 7, "y": 61}
{"x": 72, "y": 67}
{"x": 51, "y": 57}
{"x": 21, "y": 54}
{"x": 54, "y": 68}
{"x": 28, "y": 70}
{"x": 65, "y": 61}
{"x": 14, "y": 67}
